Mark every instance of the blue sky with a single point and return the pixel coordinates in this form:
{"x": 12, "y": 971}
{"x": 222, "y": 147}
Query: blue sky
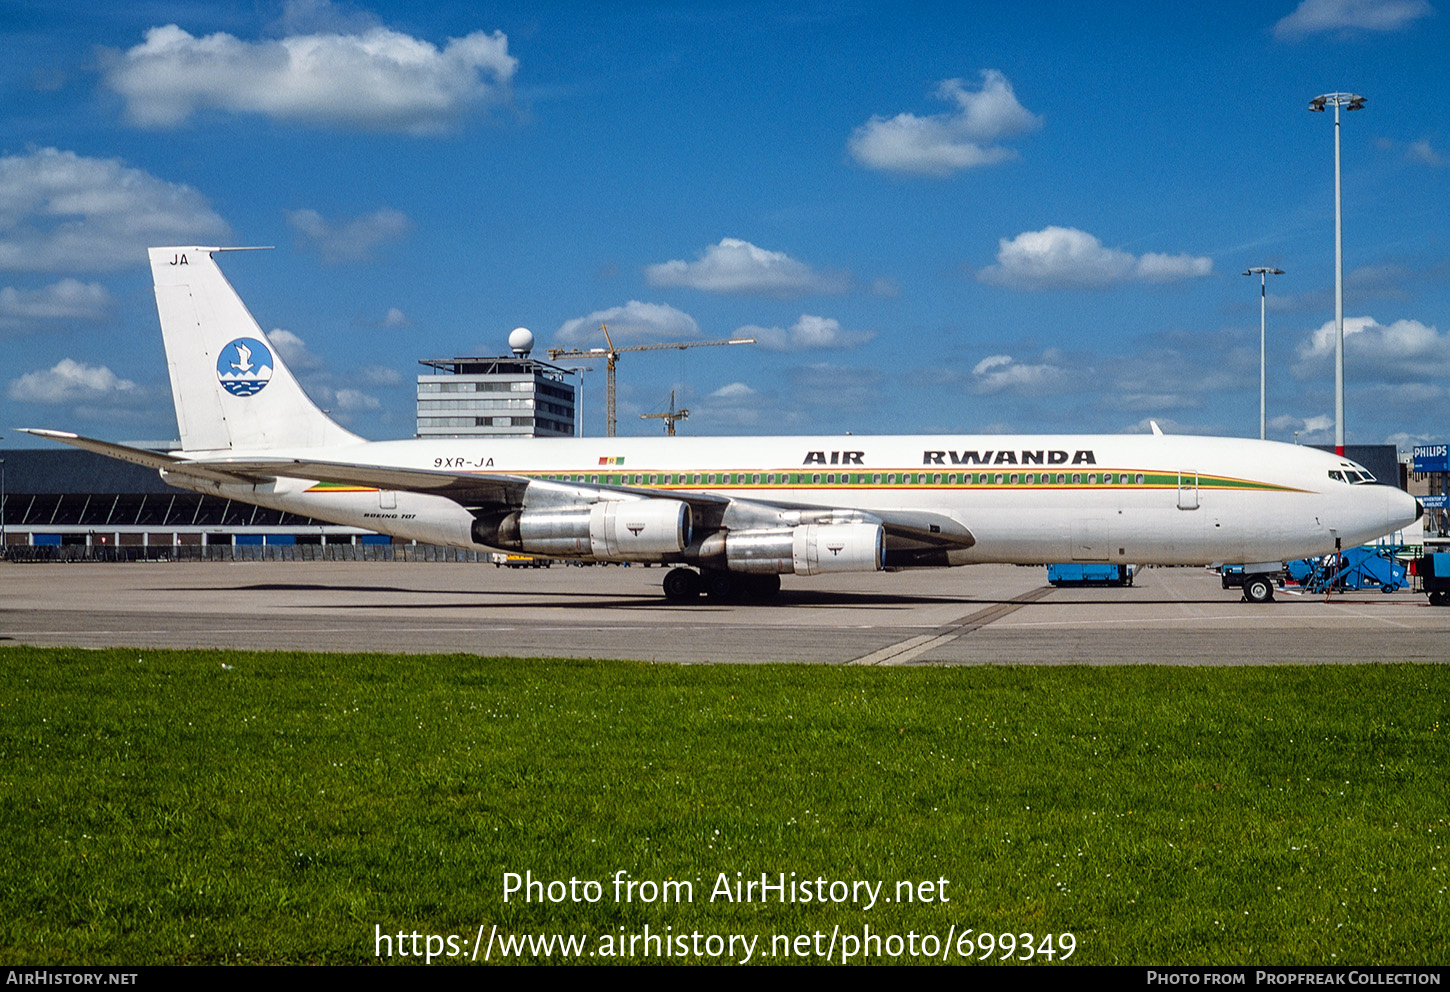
{"x": 934, "y": 217}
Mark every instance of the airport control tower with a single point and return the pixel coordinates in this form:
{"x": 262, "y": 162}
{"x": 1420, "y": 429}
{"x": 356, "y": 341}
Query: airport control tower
{"x": 515, "y": 396}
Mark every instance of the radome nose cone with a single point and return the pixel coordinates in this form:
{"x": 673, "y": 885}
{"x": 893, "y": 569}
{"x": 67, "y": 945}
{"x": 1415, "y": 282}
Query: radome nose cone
{"x": 1401, "y": 509}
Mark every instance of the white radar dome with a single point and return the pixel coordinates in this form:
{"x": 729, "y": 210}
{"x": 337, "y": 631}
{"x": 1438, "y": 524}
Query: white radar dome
{"x": 521, "y": 340}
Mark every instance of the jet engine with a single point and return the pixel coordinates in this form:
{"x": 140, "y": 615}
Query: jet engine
{"x": 807, "y": 549}
{"x": 610, "y": 530}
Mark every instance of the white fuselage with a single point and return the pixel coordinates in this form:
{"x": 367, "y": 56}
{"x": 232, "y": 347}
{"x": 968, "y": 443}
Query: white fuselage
{"x": 1148, "y": 499}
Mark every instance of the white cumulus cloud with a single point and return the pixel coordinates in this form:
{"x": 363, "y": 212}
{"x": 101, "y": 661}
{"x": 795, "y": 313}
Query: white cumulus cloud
{"x": 369, "y": 78}
{"x": 1003, "y": 374}
{"x": 350, "y": 241}
{"x": 1319, "y": 16}
{"x": 942, "y": 144}
{"x": 1066, "y": 258}
{"x": 69, "y": 381}
{"x": 808, "y": 333}
{"x": 735, "y": 266}
{"x": 354, "y": 400}
{"x": 1406, "y": 351}
{"x": 293, "y": 350}
{"x": 63, "y": 211}
{"x": 633, "y": 321}
{"x": 69, "y": 299}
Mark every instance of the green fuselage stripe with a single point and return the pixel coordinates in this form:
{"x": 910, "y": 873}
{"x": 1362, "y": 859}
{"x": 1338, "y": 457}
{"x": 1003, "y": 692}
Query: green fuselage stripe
{"x": 1115, "y": 480}
{"x": 1110, "y": 480}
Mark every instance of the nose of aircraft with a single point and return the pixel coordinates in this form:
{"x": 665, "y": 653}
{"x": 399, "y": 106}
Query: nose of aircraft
{"x": 1401, "y": 509}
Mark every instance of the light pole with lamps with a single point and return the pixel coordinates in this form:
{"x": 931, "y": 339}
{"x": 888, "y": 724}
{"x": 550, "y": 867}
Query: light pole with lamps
{"x": 1263, "y": 272}
{"x": 1349, "y": 101}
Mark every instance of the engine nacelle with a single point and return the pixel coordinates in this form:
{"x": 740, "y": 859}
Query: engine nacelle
{"x": 610, "y": 530}
{"x": 808, "y": 549}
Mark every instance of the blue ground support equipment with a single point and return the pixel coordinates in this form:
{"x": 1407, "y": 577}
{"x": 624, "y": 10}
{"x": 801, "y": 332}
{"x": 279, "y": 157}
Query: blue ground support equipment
{"x": 1434, "y": 572}
{"x": 1366, "y": 567}
{"x": 1077, "y": 574}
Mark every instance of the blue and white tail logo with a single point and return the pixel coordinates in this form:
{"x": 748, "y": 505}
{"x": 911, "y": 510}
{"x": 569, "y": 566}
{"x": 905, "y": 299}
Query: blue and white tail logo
{"x": 244, "y": 367}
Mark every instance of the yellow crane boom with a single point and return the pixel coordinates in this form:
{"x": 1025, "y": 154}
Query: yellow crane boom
{"x": 611, "y": 356}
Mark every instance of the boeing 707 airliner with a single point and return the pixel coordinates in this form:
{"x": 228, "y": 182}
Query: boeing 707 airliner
{"x": 734, "y": 514}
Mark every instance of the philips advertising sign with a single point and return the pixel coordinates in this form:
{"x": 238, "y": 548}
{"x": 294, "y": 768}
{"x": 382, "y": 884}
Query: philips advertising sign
{"x": 1431, "y": 458}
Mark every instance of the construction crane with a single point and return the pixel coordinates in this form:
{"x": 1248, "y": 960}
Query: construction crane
{"x": 668, "y": 418}
{"x": 611, "y": 356}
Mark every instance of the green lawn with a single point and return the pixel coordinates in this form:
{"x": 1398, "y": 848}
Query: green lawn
{"x": 201, "y": 806}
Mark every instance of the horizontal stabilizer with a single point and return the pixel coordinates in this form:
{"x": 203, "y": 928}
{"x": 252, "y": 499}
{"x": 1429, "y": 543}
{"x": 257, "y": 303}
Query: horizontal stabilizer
{"x": 144, "y": 456}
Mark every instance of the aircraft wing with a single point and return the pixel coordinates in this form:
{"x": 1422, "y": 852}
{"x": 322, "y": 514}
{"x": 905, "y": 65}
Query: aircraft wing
{"x": 904, "y": 528}
{"x": 470, "y": 490}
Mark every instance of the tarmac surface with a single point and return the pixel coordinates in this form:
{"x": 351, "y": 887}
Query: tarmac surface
{"x": 991, "y": 614}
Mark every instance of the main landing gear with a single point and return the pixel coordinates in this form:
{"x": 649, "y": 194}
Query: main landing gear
{"x": 685, "y": 584}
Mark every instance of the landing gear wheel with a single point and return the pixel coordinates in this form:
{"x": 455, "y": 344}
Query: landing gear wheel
{"x": 1259, "y": 589}
{"x": 682, "y": 584}
{"x": 720, "y": 586}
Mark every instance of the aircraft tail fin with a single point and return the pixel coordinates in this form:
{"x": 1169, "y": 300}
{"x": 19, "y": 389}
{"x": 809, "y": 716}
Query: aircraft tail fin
{"x": 231, "y": 388}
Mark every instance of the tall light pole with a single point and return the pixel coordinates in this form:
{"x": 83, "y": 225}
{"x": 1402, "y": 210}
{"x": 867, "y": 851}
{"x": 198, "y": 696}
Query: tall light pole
{"x": 1263, "y": 272}
{"x": 1349, "y": 101}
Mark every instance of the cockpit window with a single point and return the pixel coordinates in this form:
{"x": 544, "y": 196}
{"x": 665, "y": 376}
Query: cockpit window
{"x": 1337, "y": 476}
{"x": 1355, "y": 475}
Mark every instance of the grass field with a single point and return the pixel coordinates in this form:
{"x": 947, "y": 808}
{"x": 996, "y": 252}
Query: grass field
{"x": 201, "y": 807}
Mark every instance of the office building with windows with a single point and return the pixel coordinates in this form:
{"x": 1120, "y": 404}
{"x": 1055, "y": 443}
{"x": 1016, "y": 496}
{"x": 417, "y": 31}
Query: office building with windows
{"x": 495, "y": 397}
